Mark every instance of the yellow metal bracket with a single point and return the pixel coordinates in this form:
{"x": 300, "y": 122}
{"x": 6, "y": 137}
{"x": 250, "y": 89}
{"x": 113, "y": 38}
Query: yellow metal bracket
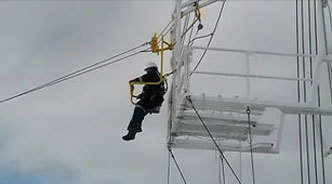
{"x": 155, "y": 44}
{"x": 156, "y": 49}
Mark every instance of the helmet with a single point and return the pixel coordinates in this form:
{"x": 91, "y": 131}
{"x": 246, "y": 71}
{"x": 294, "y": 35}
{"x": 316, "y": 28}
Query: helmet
{"x": 150, "y": 65}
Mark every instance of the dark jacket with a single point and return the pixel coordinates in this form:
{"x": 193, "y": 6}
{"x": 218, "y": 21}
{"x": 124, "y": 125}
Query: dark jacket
{"x": 152, "y": 95}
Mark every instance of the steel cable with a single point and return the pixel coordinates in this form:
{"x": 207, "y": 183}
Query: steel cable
{"x": 177, "y": 166}
{"x": 212, "y": 34}
{"x": 79, "y": 72}
{"x": 213, "y": 140}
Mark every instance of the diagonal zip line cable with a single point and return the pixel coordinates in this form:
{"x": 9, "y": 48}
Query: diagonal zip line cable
{"x": 165, "y": 28}
{"x": 213, "y": 140}
{"x": 191, "y": 42}
{"x": 61, "y": 79}
{"x": 81, "y": 71}
{"x": 99, "y": 63}
{"x": 66, "y": 78}
{"x": 177, "y": 166}
{"x": 97, "y": 67}
{"x": 189, "y": 28}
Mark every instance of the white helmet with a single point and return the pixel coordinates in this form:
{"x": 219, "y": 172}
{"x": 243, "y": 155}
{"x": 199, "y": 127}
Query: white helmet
{"x": 150, "y": 65}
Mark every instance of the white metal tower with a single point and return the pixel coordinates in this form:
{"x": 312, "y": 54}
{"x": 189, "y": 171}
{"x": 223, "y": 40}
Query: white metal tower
{"x": 233, "y": 120}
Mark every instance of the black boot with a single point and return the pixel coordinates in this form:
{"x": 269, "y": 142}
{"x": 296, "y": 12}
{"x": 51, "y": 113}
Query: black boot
{"x": 130, "y": 136}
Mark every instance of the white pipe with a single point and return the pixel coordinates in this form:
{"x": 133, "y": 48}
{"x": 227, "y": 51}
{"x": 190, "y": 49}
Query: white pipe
{"x": 174, "y": 36}
{"x": 255, "y": 52}
{"x": 252, "y": 76}
{"x": 200, "y": 5}
{"x": 248, "y": 74}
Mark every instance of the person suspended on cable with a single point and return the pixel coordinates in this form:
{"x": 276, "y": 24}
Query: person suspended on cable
{"x": 150, "y": 100}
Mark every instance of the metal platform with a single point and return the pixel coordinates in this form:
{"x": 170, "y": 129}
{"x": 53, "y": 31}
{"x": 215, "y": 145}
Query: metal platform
{"x": 227, "y": 120}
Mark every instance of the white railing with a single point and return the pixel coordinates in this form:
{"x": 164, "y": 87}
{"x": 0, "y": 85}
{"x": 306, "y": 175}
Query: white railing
{"x": 320, "y": 60}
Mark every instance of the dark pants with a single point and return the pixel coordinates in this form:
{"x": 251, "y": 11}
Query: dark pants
{"x": 135, "y": 124}
{"x": 142, "y": 108}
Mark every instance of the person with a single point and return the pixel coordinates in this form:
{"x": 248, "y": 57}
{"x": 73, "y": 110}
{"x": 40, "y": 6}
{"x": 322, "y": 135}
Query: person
{"x": 150, "y": 100}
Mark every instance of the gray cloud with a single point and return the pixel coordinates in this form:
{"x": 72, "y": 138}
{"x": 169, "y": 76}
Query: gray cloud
{"x": 77, "y": 125}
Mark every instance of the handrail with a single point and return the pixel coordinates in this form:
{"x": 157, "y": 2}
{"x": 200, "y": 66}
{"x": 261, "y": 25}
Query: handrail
{"x": 257, "y": 52}
{"x": 252, "y": 76}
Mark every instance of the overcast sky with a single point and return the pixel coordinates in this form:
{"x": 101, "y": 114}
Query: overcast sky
{"x": 71, "y": 133}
